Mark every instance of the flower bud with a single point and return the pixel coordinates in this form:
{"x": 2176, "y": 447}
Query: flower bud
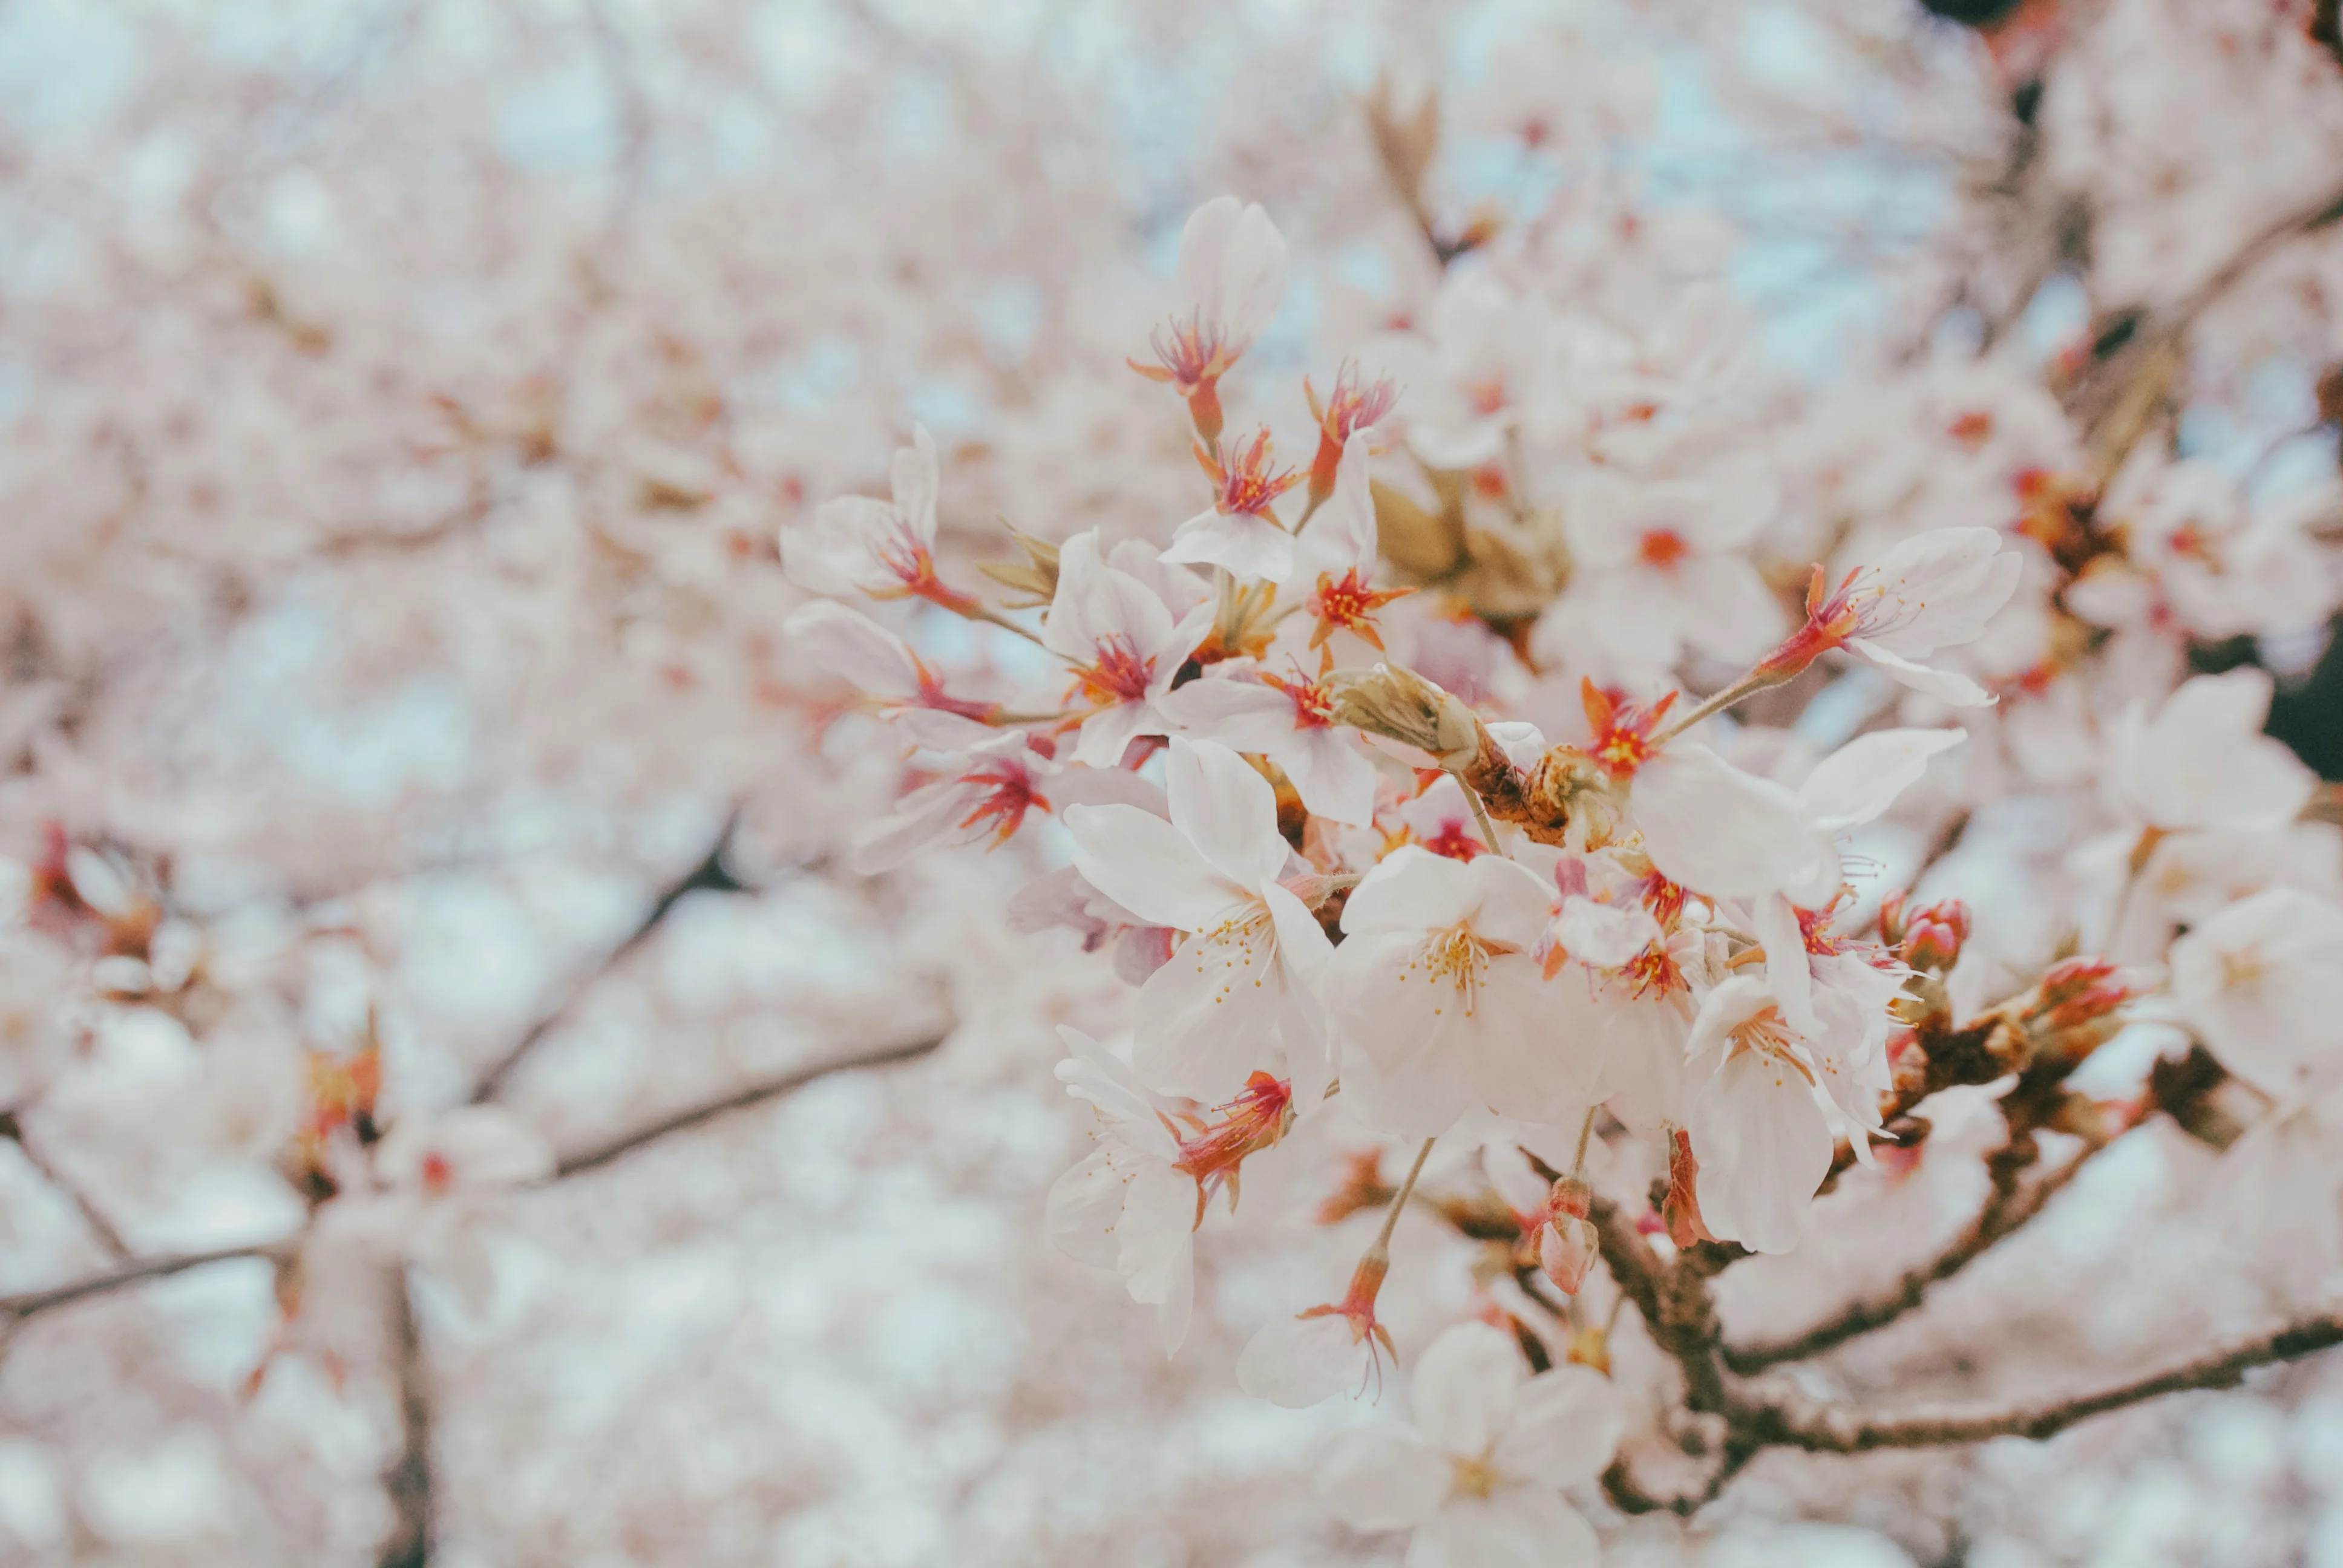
{"x": 1929, "y": 937}
{"x": 1566, "y": 1249}
{"x": 2077, "y": 1006}
{"x": 1401, "y": 705}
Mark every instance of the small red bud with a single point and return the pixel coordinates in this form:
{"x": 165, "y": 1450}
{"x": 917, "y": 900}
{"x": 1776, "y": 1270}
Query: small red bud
{"x": 1566, "y": 1248}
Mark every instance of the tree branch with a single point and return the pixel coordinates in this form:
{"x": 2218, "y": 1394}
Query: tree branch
{"x": 2006, "y": 1211}
{"x": 755, "y": 1093}
{"x": 1843, "y": 1429}
{"x": 407, "y": 1481}
{"x": 12, "y": 1128}
{"x": 708, "y": 874}
{"x": 15, "y": 1309}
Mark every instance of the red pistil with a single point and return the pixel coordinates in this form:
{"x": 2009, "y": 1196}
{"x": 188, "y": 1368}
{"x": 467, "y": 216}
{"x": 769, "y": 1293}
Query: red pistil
{"x": 1118, "y": 675}
{"x": 1247, "y": 484}
{"x": 909, "y": 560}
{"x": 1622, "y": 731}
{"x": 1192, "y": 357}
{"x": 1662, "y": 549}
{"x": 1349, "y": 605}
{"x": 1349, "y": 410}
{"x": 1004, "y": 792}
{"x": 1312, "y": 707}
{"x": 1254, "y": 1121}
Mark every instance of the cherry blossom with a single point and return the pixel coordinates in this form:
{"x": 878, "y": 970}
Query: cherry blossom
{"x": 1478, "y": 1476}
{"x": 1758, "y": 1123}
{"x": 2262, "y": 981}
{"x": 1439, "y": 1003}
{"x": 1124, "y": 644}
{"x": 887, "y": 550}
{"x": 984, "y": 792}
{"x": 1241, "y": 531}
{"x": 1231, "y": 274}
{"x": 1936, "y": 591}
{"x": 1243, "y": 983}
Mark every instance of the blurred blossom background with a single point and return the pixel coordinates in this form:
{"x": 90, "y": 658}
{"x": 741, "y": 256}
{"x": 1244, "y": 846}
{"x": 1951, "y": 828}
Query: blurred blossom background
{"x": 400, "y": 400}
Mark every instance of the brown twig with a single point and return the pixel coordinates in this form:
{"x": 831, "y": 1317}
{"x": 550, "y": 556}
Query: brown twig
{"x": 2006, "y": 1211}
{"x": 15, "y": 1309}
{"x": 407, "y": 1481}
{"x": 708, "y": 874}
{"x": 755, "y": 1093}
{"x": 1844, "y": 1429}
{"x": 12, "y": 1128}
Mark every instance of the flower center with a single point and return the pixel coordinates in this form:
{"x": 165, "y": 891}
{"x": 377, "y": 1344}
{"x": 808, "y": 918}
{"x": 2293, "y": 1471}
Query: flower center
{"x": 1119, "y": 674}
{"x": 1474, "y": 1477}
{"x": 1662, "y": 549}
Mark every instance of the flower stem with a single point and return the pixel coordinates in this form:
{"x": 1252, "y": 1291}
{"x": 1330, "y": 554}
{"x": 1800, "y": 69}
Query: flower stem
{"x": 994, "y": 617}
{"x": 1749, "y": 685}
{"x": 1586, "y": 1130}
{"x": 1481, "y": 815}
{"x": 1398, "y": 1201}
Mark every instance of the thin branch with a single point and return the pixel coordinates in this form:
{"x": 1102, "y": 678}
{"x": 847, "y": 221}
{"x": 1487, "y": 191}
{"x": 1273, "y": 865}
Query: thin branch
{"x": 15, "y": 1309}
{"x": 12, "y": 1128}
{"x": 407, "y": 1481}
{"x": 756, "y": 1093}
{"x": 1842, "y": 1429}
{"x": 2006, "y": 1211}
{"x": 708, "y": 874}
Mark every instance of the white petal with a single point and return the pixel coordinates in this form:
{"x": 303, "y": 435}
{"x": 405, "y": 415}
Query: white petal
{"x": 915, "y": 484}
{"x": 1249, "y": 546}
{"x": 1156, "y": 1233}
{"x": 1536, "y": 1047}
{"x": 1410, "y": 890}
{"x": 1765, "y": 1145}
{"x": 1567, "y": 1427}
{"x": 1084, "y": 1204}
{"x": 1944, "y": 685}
{"x": 1863, "y": 778}
{"x": 1519, "y": 1527}
{"x": 1227, "y": 810}
{"x": 1513, "y": 902}
{"x": 1108, "y": 733}
{"x": 1331, "y": 774}
{"x": 1210, "y": 1016}
{"x": 1729, "y": 834}
{"x": 849, "y": 644}
{"x": 1398, "y": 1057}
{"x": 1298, "y": 1362}
{"x": 1465, "y": 1386}
{"x": 1382, "y": 1478}
{"x": 1149, "y": 868}
{"x": 1789, "y": 973}
{"x": 1240, "y": 712}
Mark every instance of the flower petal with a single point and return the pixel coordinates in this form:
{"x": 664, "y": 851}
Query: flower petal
{"x": 1520, "y": 1527}
{"x": 1382, "y": 1478}
{"x": 1567, "y": 1427}
{"x": 1149, "y": 868}
{"x": 1863, "y": 778}
{"x": 1465, "y": 1387}
{"x": 1296, "y": 1363}
{"x": 1227, "y": 811}
{"x": 1729, "y": 834}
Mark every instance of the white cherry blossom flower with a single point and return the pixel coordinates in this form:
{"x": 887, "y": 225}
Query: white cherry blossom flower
{"x": 984, "y": 791}
{"x": 1124, "y": 645}
{"x": 1758, "y": 1125}
{"x": 1288, "y": 721}
{"x": 1933, "y": 590}
{"x": 859, "y": 545}
{"x": 1479, "y": 1476}
{"x": 2202, "y": 760}
{"x": 1240, "y": 530}
{"x": 1231, "y": 275}
{"x": 1658, "y": 566}
{"x": 1243, "y": 982}
{"x": 906, "y": 692}
{"x": 2262, "y": 981}
{"x": 1440, "y": 1006}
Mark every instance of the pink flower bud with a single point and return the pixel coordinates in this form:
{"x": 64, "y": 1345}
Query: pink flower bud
{"x": 1931, "y": 938}
{"x": 1566, "y": 1249}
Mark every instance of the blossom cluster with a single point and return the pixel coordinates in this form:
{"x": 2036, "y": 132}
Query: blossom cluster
{"x": 1426, "y": 793}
